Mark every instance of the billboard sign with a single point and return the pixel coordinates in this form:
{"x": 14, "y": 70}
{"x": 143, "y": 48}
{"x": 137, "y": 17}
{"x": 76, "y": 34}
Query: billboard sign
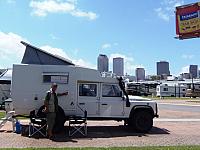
{"x": 188, "y": 21}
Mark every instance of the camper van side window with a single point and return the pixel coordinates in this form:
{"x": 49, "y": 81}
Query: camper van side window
{"x": 88, "y": 90}
{"x": 63, "y": 79}
{"x": 109, "y": 90}
{"x": 165, "y": 89}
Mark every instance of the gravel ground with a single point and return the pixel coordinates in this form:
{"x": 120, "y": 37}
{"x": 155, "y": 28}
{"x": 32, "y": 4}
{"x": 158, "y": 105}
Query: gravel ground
{"x": 114, "y": 134}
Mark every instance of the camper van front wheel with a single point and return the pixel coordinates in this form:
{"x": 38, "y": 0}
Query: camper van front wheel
{"x": 142, "y": 121}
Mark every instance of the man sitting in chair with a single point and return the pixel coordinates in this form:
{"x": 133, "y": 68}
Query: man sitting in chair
{"x": 51, "y": 107}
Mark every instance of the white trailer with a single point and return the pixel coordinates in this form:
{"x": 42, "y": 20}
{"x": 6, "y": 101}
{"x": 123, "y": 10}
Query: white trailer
{"x": 5, "y": 84}
{"x": 101, "y": 97}
{"x": 171, "y": 90}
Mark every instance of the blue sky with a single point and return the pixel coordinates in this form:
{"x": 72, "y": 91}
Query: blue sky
{"x": 142, "y": 32}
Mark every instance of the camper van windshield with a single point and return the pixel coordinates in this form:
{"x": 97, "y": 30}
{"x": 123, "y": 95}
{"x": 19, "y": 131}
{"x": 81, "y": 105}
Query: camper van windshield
{"x": 110, "y": 90}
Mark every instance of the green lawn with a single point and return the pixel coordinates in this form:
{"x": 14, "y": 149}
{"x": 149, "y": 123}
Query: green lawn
{"x": 2, "y": 114}
{"x": 120, "y": 148}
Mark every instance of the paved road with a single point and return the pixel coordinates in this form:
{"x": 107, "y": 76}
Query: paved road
{"x": 179, "y": 107}
{"x": 179, "y": 110}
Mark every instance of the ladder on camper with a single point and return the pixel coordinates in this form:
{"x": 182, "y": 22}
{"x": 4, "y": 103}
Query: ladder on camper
{"x": 8, "y": 117}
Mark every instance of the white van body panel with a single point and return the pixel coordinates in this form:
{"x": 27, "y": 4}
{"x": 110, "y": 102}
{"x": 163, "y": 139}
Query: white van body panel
{"x": 31, "y": 82}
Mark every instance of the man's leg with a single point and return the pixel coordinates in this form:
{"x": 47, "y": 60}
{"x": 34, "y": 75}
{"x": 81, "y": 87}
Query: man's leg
{"x": 50, "y": 123}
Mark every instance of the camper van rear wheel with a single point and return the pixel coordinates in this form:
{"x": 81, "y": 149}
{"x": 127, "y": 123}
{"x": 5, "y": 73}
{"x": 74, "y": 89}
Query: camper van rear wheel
{"x": 142, "y": 121}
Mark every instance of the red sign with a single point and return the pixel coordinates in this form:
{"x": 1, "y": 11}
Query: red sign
{"x": 188, "y": 21}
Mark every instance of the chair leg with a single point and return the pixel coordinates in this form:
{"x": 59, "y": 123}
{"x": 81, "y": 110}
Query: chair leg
{"x": 86, "y": 129}
{"x": 29, "y": 130}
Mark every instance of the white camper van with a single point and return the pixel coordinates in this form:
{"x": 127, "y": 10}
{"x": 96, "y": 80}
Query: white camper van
{"x": 5, "y": 83}
{"x": 101, "y": 97}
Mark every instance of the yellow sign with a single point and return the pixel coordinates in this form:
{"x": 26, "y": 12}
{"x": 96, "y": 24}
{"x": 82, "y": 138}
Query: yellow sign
{"x": 189, "y": 23}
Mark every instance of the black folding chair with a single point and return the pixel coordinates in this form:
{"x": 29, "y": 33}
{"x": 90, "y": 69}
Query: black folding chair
{"x": 37, "y": 125}
{"x": 78, "y": 124}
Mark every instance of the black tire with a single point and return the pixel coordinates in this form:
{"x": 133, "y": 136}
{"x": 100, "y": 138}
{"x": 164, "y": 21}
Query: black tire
{"x": 142, "y": 121}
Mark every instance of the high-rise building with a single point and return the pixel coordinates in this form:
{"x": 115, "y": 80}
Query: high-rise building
{"x": 102, "y": 63}
{"x": 193, "y": 70}
{"x": 140, "y": 74}
{"x": 163, "y": 68}
{"x": 118, "y": 66}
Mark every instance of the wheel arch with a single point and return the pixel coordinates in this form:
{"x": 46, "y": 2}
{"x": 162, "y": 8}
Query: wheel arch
{"x": 138, "y": 108}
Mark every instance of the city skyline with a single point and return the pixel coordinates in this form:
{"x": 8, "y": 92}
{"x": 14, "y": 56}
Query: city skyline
{"x": 162, "y": 68}
{"x": 141, "y": 32}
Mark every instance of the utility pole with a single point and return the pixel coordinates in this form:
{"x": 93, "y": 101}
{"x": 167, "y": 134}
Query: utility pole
{"x": 175, "y": 90}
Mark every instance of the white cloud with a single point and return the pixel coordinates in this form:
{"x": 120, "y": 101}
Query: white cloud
{"x": 161, "y": 13}
{"x": 167, "y": 8}
{"x": 83, "y": 63}
{"x": 185, "y": 69}
{"x": 61, "y": 53}
{"x": 109, "y": 45}
{"x": 12, "y": 51}
{"x": 43, "y": 8}
{"x": 79, "y": 13}
{"x": 129, "y": 65}
{"x": 10, "y": 46}
{"x": 187, "y": 56}
{"x": 105, "y": 46}
{"x": 55, "y": 51}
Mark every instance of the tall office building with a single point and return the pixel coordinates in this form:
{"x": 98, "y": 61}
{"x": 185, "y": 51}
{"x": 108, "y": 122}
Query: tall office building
{"x": 102, "y": 63}
{"x": 118, "y": 66}
{"x": 140, "y": 74}
{"x": 163, "y": 68}
{"x": 193, "y": 70}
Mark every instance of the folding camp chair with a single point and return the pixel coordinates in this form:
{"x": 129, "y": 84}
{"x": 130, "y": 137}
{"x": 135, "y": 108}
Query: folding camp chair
{"x": 8, "y": 117}
{"x": 78, "y": 124}
{"x": 37, "y": 125}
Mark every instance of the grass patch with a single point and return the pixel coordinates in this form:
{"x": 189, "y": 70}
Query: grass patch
{"x": 2, "y": 114}
{"x": 118, "y": 148}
